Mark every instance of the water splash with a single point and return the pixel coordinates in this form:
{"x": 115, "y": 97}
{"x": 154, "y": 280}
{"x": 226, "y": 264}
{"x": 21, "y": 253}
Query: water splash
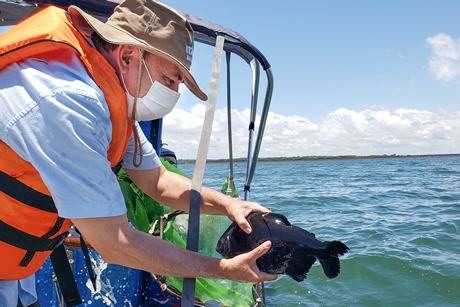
{"x": 104, "y": 289}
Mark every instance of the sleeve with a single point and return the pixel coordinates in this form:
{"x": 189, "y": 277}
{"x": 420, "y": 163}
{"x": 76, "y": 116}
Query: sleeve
{"x": 64, "y": 130}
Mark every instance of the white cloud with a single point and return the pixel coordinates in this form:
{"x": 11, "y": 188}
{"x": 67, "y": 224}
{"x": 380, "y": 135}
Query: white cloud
{"x": 342, "y": 132}
{"x": 444, "y": 62}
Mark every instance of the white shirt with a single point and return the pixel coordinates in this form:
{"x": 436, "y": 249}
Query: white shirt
{"x": 54, "y": 116}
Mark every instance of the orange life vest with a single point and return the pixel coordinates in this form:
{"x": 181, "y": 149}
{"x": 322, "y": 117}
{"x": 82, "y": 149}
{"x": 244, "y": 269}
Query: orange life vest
{"x": 47, "y": 33}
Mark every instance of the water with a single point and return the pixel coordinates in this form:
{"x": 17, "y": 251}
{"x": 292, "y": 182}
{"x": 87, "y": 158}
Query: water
{"x": 400, "y": 217}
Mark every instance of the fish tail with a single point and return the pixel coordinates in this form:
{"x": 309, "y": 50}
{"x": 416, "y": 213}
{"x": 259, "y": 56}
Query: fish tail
{"x": 330, "y": 260}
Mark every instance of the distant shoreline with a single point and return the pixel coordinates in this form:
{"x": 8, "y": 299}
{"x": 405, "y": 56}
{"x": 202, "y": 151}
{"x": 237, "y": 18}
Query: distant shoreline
{"x": 320, "y": 158}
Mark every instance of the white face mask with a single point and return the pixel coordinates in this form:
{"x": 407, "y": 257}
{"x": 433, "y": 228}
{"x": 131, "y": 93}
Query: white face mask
{"x": 159, "y": 101}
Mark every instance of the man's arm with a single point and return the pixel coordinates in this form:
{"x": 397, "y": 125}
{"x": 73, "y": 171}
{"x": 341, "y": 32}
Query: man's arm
{"x": 173, "y": 190}
{"x": 118, "y": 243}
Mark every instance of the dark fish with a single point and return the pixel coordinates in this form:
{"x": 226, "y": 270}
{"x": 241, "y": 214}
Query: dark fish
{"x": 293, "y": 251}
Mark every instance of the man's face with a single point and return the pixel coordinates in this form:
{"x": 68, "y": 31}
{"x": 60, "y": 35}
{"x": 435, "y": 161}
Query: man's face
{"x": 161, "y": 70}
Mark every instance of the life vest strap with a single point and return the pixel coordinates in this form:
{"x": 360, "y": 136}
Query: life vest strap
{"x": 25, "y": 194}
{"x": 33, "y": 244}
{"x": 117, "y": 167}
{"x": 23, "y": 240}
{"x": 30, "y": 254}
{"x": 65, "y": 277}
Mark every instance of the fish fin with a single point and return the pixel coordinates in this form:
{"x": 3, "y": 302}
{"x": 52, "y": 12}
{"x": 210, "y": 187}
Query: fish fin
{"x": 330, "y": 260}
{"x": 301, "y": 263}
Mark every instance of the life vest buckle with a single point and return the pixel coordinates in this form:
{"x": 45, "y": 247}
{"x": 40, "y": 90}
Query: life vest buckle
{"x": 56, "y": 242}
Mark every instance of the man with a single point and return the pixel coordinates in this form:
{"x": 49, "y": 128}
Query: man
{"x": 72, "y": 89}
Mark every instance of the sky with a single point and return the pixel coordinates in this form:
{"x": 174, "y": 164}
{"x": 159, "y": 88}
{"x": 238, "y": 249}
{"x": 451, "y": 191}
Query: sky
{"x": 351, "y": 78}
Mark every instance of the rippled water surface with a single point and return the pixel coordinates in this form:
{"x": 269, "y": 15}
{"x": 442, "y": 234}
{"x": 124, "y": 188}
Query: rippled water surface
{"x": 400, "y": 217}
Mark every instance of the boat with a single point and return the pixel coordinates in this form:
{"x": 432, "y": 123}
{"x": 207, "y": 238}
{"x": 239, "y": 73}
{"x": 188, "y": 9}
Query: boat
{"x": 153, "y": 131}
{"x": 120, "y": 286}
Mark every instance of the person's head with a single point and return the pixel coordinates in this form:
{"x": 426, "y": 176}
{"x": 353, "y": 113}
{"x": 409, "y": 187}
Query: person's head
{"x": 149, "y": 44}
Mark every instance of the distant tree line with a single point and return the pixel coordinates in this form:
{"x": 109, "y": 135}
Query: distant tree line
{"x": 312, "y": 158}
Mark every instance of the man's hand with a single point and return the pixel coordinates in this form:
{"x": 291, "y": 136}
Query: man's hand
{"x": 239, "y": 211}
{"x": 243, "y": 268}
